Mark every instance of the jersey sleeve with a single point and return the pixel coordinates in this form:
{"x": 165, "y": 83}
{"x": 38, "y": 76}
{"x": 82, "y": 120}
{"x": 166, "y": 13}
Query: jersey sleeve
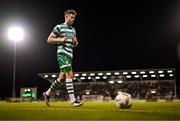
{"x": 56, "y": 31}
{"x": 74, "y": 31}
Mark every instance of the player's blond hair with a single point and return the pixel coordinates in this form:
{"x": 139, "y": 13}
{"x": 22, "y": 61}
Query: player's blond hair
{"x": 67, "y": 12}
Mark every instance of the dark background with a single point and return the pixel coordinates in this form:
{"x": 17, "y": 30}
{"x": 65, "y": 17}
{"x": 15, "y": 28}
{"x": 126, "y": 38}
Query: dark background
{"x": 112, "y": 35}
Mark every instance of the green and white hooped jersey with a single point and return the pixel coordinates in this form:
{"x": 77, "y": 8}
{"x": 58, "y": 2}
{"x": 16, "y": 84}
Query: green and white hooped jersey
{"x": 62, "y": 30}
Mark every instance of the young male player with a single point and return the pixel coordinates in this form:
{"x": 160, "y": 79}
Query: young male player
{"x": 64, "y": 35}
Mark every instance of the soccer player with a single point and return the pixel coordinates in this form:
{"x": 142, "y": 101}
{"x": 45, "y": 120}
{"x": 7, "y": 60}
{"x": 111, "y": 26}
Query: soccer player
{"x": 64, "y": 35}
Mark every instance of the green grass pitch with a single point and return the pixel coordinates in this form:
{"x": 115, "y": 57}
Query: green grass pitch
{"x": 89, "y": 111}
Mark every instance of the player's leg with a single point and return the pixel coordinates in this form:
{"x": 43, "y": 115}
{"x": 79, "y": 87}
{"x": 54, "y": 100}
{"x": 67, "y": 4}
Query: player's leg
{"x": 70, "y": 89}
{"x": 69, "y": 86}
{"x": 67, "y": 69}
{"x": 54, "y": 86}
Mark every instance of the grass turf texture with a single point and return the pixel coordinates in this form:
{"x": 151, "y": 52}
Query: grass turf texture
{"x": 90, "y": 111}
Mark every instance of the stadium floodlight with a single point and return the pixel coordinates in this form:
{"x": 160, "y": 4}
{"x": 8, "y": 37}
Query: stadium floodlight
{"x": 161, "y": 75}
{"x": 108, "y": 73}
{"x": 87, "y": 92}
{"x": 160, "y": 72}
{"x": 92, "y": 74}
{"x": 125, "y": 73}
{"x": 136, "y": 76}
{"x": 84, "y": 74}
{"x": 89, "y": 77}
{"x": 15, "y": 34}
{"x": 100, "y": 74}
{"x": 145, "y": 76}
{"x": 171, "y": 75}
{"x": 104, "y": 77}
{"x": 119, "y": 81}
{"x": 97, "y": 77}
{"x": 116, "y": 73}
{"x": 142, "y": 72}
{"x": 46, "y": 76}
{"x": 153, "y": 75}
{"x": 153, "y": 91}
{"x": 74, "y": 78}
{"x": 128, "y": 76}
{"x": 169, "y": 71}
{"x": 54, "y": 76}
{"x": 111, "y": 82}
{"x": 151, "y": 72}
{"x": 82, "y": 78}
{"x": 133, "y": 72}
{"x": 76, "y": 75}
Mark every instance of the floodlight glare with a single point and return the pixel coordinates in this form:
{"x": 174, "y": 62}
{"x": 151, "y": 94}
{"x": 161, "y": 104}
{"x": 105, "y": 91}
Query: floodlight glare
{"x": 133, "y": 72}
{"x": 151, "y": 72}
{"x": 169, "y": 71}
{"x": 153, "y": 75}
{"x": 160, "y": 72}
{"x": 124, "y": 73}
{"x": 92, "y": 74}
{"x": 116, "y": 73}
{"x": 128, "y": 76}
{"x": 153, "y": 91}
{"x": 108, "y": 73}
{"x": 161, "y": 75}
{"x": 46, "y": 76}
{"x": 53, "y": 75}
{"x": 142, "y": 72}
{"x": 104, "y": 77}
{"x": 89, "y": 77}
{"x": 145, "y": 76}
{"x": 97, "y": 77}
{"x": 84, "y": 74}
{"x": 119, "y": 81}
{"x": 111, "y": 82}
{"x": 100, "y": 74}
{"x": 76, "y": 75}
{"x": 136, "y": 76}
{"x": 171, "y": 75}
{"x": 82, "y": 78}
{"x": 16, "y": 33}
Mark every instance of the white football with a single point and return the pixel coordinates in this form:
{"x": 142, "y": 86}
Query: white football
{"x": 123, "y": 100}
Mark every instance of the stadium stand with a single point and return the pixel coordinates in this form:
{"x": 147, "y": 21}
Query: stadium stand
{"x": 148, "y": 84}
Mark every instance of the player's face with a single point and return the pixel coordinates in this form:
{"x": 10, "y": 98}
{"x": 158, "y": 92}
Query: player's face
{"x": 70, "y": 19}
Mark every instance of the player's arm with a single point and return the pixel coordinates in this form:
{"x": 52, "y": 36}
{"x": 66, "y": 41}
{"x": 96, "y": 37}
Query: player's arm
{"x": 54, "y": 40}
{"x": 75, "y": 42}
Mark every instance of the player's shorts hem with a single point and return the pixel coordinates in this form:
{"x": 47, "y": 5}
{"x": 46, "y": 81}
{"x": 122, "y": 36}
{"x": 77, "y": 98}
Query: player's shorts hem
{"x": 66, "y": 69}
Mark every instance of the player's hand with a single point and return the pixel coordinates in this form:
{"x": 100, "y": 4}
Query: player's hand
{"x": 74, "y": 39}
{"x": 62, "y": 40}
{"x": 75, "y": 42}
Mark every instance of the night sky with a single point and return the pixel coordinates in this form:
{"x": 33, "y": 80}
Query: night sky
{"x": 129, "y": 34}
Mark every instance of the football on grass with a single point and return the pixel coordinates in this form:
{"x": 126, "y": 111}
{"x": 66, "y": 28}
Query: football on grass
{"x": 123, "y": 100}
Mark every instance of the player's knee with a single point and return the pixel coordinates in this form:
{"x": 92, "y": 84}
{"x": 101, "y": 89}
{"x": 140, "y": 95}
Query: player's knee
{"x": 62, "y": 77}
{"x": 69, "y": 75}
